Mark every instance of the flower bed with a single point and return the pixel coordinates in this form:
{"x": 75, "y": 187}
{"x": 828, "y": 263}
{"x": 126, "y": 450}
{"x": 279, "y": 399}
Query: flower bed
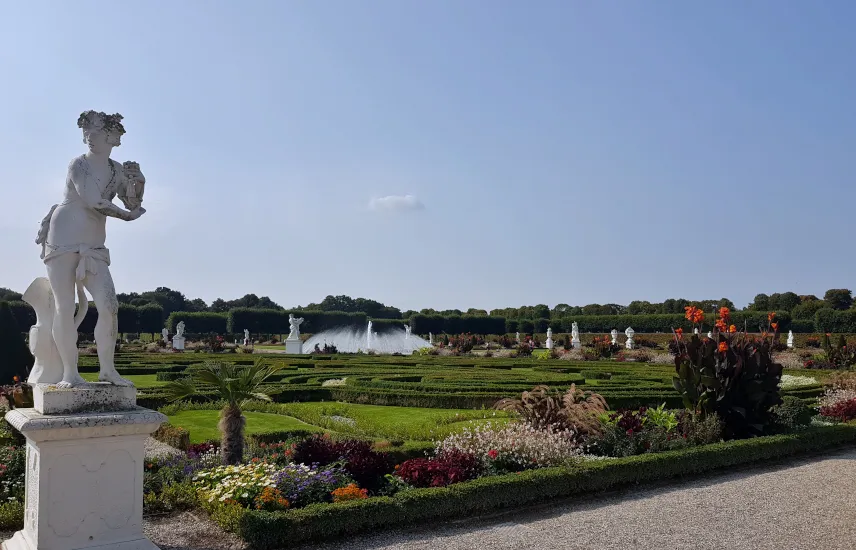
{"x": 268, "y": 530}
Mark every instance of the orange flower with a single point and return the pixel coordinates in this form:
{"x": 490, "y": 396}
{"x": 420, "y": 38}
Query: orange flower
{"x": 775, "y": 326}
{"x": 725, "y": 313}
{"x": 694, "y": 314}
{"x": 732, "y": 329}
{"x": 720, "y": 325}
{"x": 351, "y": 492}
{"x": 16, "y": 379}
{"x": 679, "y": 332}
{"x": 723, "y": 347}
{"x": 771, "y": 316}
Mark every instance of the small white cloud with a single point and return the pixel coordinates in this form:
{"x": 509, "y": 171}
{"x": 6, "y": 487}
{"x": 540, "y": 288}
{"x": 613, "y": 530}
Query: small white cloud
{"x": 396, "y": 203}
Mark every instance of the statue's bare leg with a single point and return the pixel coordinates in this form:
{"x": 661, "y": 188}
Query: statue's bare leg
{"x": 61, "y": 272}
{"x": 107, "y": 328}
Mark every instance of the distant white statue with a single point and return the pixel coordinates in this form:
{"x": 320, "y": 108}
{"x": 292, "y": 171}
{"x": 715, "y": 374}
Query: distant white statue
{"x": 710, "y": 334}
{"x": 179, "y": 329}
{"x": 549, "y": 343}
{"x": 695, "y": 331}
{"x": 431, "y": 338}
{"x": 790, "y": 339}
{"x": 165, "y": 334}
{"x": 72, "y": 237}
{"x": 614, "y": 336}
{"x": 407, "y": 330}
{"x": 294, "y": 325}
{"x": 517, "y": 337}
{"x": 575, "y": 336}
{"x": 246, "y": 337}
{"x": 629, "y": 333}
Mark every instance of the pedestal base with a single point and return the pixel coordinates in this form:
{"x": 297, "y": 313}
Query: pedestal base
{"x": 85, "y": 398}
{"x": 19, "y": 542}
{"x": 84, "y": 481}
{"x": 178, "y": 342}
{"x": 294, "y": 346}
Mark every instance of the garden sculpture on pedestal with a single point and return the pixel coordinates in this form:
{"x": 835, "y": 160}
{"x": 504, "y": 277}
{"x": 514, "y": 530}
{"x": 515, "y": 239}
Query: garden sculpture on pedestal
{"x": 294, "y": 325}
{"x": 72, "y": 237}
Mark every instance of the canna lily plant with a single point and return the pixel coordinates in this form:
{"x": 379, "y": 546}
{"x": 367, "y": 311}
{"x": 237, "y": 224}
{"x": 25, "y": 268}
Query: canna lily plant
{"x": 732, "y": 374}
{"x": 233, "y": 384}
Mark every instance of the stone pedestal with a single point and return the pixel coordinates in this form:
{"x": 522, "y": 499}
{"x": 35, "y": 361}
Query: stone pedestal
{"x": 575, "y": 343}
{"x": 294, "y": 346}
{"x": 84, "y": 481}
{"x": 549, "y": 343}
{"x": 178, "y": 342}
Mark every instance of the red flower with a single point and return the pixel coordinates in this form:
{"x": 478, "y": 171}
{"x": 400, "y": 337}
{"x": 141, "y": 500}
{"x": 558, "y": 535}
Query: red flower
{"x": 771, "y": 316}
{"x": 723, "y": 347}
{"x": 725, "y": 314}
{"x": 679, "y": 332}
{"x": 492, "y": 454}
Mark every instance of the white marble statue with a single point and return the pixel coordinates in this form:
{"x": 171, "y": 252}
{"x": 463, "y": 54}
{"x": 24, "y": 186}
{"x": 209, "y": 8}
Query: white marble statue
{"x": 575, "y": 336}
{"x": 179, "y": 329}
{"x": 695, "y": 331}
{"x": 72, "y": 237}
{"x": 294, "y": 326}
{"x": 614, "y": 336}
{"x": 549, "y": 342}
{"x": 431, "y": 338}
{"x": 246, "y": 337}
{"x": 790, "y": 339}
{"x": 517, "y": 337}
{"x": 407, "y": 330}
{"x": 165, "y": 334}
{"x": 629, "y": 333}
{"x": 710, "y": 334}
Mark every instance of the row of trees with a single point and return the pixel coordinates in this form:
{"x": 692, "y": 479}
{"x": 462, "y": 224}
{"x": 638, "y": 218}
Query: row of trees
{"x": 168, "y": 301}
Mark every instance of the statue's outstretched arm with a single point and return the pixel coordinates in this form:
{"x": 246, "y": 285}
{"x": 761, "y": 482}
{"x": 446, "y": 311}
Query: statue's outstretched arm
{"x": 89, "y": 193}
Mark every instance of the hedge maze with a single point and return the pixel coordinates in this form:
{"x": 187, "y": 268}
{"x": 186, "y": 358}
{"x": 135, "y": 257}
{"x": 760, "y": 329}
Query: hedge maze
{"x": 423, "y": 381}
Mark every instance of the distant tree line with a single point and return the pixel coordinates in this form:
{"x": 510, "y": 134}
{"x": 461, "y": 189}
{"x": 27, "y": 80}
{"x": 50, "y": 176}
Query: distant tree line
{"x": 149, "y": 311}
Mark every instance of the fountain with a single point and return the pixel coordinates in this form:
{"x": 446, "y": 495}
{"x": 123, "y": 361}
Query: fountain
{"x": 351, "y": 340}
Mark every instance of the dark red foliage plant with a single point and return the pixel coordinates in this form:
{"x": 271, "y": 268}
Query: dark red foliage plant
{"x": 440, "y": 471}
{"x": 843, "y": 410}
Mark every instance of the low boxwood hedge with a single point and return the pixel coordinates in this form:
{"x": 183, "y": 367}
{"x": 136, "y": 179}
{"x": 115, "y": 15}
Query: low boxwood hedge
{"x": 268, "y": 530}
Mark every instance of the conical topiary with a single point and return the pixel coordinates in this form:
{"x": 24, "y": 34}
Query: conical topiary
{"x": 15, "y": 357}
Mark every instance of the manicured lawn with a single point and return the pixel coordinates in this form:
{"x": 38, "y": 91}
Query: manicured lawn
{"x": 377, "y": 421}
{"x": 139, "y": 380}
{"x": 202, "y": 425}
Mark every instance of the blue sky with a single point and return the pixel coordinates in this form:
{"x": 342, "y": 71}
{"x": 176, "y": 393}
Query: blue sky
{"x": 446, "y": 154}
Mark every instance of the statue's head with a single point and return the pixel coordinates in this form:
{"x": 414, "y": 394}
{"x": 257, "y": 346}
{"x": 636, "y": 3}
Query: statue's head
{"x": 101, "y": 132}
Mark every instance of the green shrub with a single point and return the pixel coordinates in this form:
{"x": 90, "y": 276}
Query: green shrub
{"x": 172, "y": 435}
{"x": 11, "y": 515}
{"x": 792, "y": 414}
{"x": 15, "y": 357}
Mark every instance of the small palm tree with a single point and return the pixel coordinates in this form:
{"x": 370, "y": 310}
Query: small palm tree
{"x": 232, "y": 384}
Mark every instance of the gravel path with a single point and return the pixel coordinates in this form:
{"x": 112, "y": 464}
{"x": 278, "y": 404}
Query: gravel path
{"x": 805, "y": 504}
{"x": 157, "y": 449}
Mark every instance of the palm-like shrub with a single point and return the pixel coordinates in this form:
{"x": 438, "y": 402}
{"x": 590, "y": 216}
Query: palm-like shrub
{"x": 576, "y": 410}
{"x": 233, "y": 384}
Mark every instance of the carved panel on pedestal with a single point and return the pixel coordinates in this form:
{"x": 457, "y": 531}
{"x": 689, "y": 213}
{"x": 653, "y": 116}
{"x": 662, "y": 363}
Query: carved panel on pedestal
{"x": 79, "y": 488}
{"x": 31, "y": 496}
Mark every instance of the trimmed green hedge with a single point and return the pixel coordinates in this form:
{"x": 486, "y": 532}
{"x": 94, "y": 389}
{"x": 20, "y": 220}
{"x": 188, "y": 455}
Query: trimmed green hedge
{"x": 269, "y": 530}
{"x": 198, "y": 322}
